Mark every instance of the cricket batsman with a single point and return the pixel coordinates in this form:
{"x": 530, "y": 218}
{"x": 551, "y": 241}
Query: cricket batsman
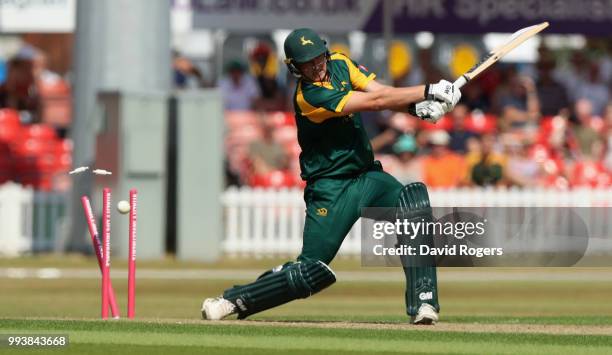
{"x": 342, "y": 177}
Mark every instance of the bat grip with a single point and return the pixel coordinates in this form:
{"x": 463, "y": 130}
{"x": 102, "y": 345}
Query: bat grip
{"x": 462, "y": 80}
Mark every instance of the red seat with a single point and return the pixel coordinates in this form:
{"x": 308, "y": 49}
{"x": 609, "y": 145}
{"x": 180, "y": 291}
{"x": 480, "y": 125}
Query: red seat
{"x": 45, "y": 183}
{"x": 285, "y": 135}
{"x": 9, "y": 117}
{"x": 5, "y": 150}
{"x": 40, "y": 131}
{"x": 590, "y": 174}
{"x": 63, "y": 163}
{"x": 274, "y": 179}
{"x": 444, "y": 123}
{"x": 281, "y": 118}
{"x": 55, "y": 88}
{"x": 6, "y": 164}
{"x": 30, "y": 147}
{"x": 481, "y": 123}
{"x": 47, "y": 163}
{"x": 64, "y": 146}
{"x": 235, "y": 119}
{"x": 10, "y": 133}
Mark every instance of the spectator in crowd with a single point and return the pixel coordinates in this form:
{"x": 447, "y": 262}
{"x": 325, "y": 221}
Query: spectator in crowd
{"x": 19, "y": 90}
{"x": 522, "y": 170}
{"x": 593, "y": 89}
{"x": 416, "y": 71}
{"x": 391, "y": 129}
{"x": 459, "y": 135}
{"x": 429, "y": 70}
{"x": 409, "y": 167}
{"x": 518, "y": 102}
{"x": 584, "y": 130}
{"x": 474, "y": 96}
{"x": 186, "y": 73}
{"x": 605, "y": 64}
{"x": 486, "y": 166}
{"x": 265, "y": 154}
{"x": 54, "y": 94}
{"x": 552, "y": 156}
{"x": 590, "y": 171}
{"x": 442, "y": 168}
{"x": 42, "y": 74}
{"x": 607, "y": 136}
{"x": 3, "y": 70}
{"x": 238, "y": 88}
{"x": 574, "y": 73}
{"x": 552, "y": 95}
{"x": 607, "y": 116}
{"x": 264, "y": 68}
{"x": 544, "y": 148}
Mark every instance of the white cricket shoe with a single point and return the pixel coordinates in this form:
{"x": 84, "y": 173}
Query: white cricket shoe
{"x": 217, "y": 308}
{"x": 426, "y": 315}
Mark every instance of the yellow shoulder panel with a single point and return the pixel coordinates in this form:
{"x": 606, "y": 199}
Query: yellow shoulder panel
{"x": 318, "y": 114}
{"x": 358, "y": 79}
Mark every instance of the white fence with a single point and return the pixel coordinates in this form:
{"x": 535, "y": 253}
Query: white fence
{"x": 15, "y": 211}
{"x": 30, "y": 221}
{"x": 269, "y": 222}
{"x": 262, "y": 222}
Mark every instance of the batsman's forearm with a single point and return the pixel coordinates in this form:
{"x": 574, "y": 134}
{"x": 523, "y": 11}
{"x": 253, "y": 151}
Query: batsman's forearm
{"x": 398, "y": 99}
{"x": 382, "y": 97}
{"x": 413, "y": 95}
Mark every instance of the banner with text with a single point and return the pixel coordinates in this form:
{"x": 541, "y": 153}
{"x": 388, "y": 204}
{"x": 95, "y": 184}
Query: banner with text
{"x": 589, "y": 17}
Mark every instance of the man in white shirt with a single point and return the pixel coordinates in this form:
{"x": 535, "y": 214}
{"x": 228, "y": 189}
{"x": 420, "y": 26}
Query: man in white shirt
{"x": 238, "y": 88}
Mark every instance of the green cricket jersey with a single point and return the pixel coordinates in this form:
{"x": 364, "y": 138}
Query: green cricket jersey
{"x": 333, "y": 144}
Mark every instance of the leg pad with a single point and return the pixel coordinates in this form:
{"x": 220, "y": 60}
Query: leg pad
{"x": 422, "y": 283}
{"x": 276, "y": 287}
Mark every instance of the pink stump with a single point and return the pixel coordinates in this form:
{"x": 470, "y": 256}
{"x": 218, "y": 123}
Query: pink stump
{"x": 106, "y": 214}
{"x": 95, "y": 240}
{"x": 132, "y": 255}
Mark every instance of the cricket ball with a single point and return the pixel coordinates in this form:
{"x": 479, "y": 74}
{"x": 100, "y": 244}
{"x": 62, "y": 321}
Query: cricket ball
{"x": 123, "y": 207}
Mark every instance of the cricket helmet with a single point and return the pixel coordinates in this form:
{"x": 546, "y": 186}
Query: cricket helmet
{"x": 301, "y": 46}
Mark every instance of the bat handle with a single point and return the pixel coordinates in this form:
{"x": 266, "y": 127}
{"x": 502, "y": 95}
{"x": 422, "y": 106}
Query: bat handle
{"x": 462, "y": 80}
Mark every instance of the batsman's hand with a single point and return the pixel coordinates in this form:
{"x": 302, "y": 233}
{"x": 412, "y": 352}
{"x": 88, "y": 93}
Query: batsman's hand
{"x": 429, "y": 110}
{"x": 443, "y": 91}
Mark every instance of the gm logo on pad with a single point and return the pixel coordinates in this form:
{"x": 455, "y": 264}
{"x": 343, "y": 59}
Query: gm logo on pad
{"x": 425, "y": 296}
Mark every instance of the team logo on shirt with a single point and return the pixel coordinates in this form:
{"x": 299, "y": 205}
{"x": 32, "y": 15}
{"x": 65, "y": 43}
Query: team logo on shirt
{"x": 305, "y": 41}
{"x": 322, "y": 212}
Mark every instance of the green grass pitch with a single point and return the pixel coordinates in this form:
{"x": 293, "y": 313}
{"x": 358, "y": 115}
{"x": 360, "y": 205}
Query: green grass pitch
{"x": 557, "y": 311}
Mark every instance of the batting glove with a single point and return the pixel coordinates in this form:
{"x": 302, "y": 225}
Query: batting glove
{"x": 430, "y": 110}
{"x": 443, "y": 91}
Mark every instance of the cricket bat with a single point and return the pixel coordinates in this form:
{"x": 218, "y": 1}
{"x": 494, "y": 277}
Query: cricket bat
{"x": 515, "y": 40}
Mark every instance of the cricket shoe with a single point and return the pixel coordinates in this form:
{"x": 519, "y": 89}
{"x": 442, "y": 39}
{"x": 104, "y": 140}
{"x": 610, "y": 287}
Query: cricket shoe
{"x": 426, "y": 315}
{"x": 217, "y": 308}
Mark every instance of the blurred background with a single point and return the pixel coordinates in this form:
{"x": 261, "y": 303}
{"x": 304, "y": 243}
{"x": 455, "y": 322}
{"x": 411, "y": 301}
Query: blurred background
{"x": 190, "y": 102}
